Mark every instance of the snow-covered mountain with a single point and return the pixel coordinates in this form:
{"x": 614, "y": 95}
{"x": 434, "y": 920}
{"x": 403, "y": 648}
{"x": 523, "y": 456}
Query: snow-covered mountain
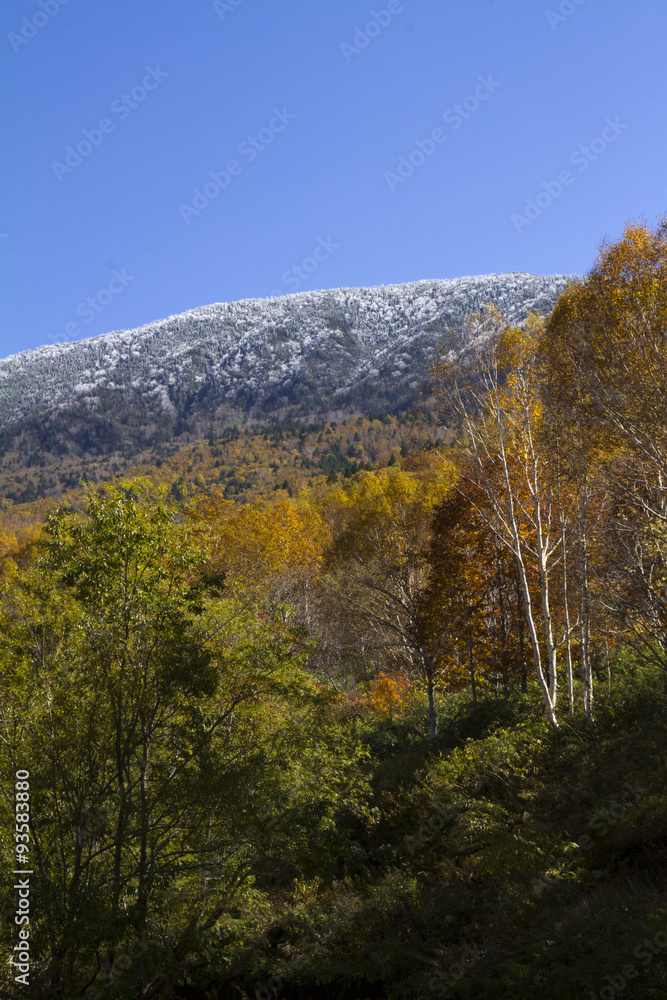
{"x": 366, "y": 349}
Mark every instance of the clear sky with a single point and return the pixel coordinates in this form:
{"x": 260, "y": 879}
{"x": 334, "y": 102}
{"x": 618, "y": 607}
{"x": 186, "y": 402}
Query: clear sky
{"x": 352, "y": 143}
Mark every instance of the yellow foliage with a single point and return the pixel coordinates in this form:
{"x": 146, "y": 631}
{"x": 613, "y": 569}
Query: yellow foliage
{"x": 267, "y": 547}
{"x": 7, "y": 543}
{"x": 388, "y": 694}
{"x": 388, "y": 513}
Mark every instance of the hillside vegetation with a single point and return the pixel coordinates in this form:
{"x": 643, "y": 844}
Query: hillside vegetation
{"x": 244, "y": 463}
{"x": 367, "y": 708}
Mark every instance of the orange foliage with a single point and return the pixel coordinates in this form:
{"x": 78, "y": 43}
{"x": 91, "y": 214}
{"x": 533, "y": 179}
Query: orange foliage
{"x": 388, "y": 694}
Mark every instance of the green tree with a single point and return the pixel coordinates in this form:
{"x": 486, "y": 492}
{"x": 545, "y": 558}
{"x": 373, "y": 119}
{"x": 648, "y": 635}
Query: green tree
{"x": 152, "y": 711}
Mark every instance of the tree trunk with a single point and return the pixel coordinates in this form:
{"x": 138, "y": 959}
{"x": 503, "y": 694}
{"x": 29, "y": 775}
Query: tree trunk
{"x": 606, "y": 646}
{"x": 431, "y": 705}
{"x": 566, "y": 609}
{"x": 523, "y": 576}
{"x": 584, "y": 632}
{"x": 522, "y": 637}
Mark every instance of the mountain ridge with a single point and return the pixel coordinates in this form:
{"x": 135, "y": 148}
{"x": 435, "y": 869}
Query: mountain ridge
{"x": 358, "y": 350}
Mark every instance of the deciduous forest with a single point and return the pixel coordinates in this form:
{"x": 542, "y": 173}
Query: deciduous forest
{"x": 372, "y": 709}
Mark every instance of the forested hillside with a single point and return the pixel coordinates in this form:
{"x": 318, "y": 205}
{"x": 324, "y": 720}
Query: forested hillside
{"x": 371, "y": 707}
{"x": 244, "y": 463}
{"x": 312, "y": 355}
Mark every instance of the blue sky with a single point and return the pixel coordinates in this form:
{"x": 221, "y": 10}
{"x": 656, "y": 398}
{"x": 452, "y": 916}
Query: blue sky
{"x": 350, "y": 144}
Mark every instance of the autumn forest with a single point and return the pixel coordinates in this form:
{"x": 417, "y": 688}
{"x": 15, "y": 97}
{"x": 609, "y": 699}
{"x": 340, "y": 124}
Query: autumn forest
{"x": 366, "y": 708}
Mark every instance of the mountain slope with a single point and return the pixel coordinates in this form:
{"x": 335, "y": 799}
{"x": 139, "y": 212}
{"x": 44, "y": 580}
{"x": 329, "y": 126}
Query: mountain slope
{"x": 363, "y": 349}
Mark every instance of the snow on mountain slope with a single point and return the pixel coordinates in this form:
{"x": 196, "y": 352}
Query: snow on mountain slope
{"x": 309, "y": 352}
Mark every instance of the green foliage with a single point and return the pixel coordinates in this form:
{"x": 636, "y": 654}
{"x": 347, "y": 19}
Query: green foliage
{"x": 152, "y": 713}
{"x": 473, "y": 883}
{"x": 205, "y": 812}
